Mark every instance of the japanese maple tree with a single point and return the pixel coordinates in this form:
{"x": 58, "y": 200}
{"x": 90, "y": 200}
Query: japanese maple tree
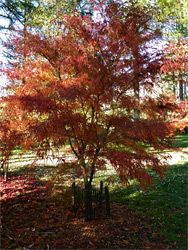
{"x": 78, "y": 90}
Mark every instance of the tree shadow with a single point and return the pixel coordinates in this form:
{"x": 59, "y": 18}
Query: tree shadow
{"x": 33, "y": 219}
{"x": 165, "y": 205}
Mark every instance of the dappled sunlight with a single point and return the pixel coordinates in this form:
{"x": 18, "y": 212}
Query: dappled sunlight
{"x": 42, "y": 211}
{"x": 177, "y": 157}
{"x": 135, "y": 194}
{"x": 179, "y": 152}
{"x": 39, "y": 218}
{"x": 181, "y": 141}
{"x": 19, "y": 186}
{"x": 165, "y": 205}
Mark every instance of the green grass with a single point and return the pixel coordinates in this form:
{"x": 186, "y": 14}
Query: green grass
{"x": 165, "y": 205}
{"x": 181, "y": 141}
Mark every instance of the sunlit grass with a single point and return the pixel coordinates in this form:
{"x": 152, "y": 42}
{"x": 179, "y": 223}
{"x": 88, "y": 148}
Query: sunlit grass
{"x": 165, "y": 205}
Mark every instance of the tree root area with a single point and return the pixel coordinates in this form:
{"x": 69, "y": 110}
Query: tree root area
{"x": 32, "y": 219}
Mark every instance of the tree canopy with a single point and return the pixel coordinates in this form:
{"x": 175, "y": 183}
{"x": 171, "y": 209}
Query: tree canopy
{"x": 78, "y": 90}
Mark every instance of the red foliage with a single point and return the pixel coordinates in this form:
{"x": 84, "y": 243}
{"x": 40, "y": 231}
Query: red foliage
{"x": 176, "y": 57}
{"x": 18, "y": 185}
{"x": 78, "y": 89}
{"x": 176, "y": 65}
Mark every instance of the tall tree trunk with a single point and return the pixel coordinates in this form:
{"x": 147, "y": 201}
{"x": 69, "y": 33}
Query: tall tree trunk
{"x": 181, "y": 92}
{"x": 25, "y": 35}
{"x": 137, "y": 96}
{"x": 174, "y": 82}
{"x": 185, "y": 90}
{"x": 181, "y": 87}
{"x": 5, "y": 170}
{"x": 136, "y": 85}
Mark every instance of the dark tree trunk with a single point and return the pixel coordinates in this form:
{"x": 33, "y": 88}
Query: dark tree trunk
{"x": 6, "y": 174}
{"x": 181, "y": 87}
{"x": 181, "y": 91}
{"x": 74, "y": 196}
{"x": 88, "y": 202}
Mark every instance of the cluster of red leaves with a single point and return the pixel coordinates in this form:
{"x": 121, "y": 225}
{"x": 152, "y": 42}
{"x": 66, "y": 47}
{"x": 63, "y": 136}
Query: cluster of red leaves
{"x": 32, "y": 219}
{"x": 176, "y": 57}
{"x": 19, "y": 185}
{"x": 81, "y": 88}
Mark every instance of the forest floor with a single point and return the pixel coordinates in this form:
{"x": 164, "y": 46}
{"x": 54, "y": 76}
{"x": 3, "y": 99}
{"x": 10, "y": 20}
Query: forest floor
{"x": 35, "y": 214}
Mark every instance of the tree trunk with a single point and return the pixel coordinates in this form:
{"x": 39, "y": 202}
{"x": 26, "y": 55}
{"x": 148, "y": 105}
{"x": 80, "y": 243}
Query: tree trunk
{"x": 180, "y": 87}
{"x": 5, "y": 171}
{"x": 185, "y": 90}
{"x": 88, "y": 202}
{"x": 136, "y": 84}
{"x": 181, "y": 91}
{"x": 136, "y": 95}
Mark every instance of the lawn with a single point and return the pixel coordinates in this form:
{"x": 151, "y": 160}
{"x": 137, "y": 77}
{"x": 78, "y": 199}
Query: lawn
{"x": 181, "y": 141}
{"x": 165, "y": 206}
{"x": 33, "y": 218}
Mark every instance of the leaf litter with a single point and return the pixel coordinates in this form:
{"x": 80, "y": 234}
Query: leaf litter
{"x": 32, "y": 219}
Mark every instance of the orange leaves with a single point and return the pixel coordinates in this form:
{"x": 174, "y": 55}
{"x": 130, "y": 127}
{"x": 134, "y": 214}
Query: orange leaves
{"x": 180, "y": 117}
{"x": 176, "y": 57}
{"x": 78, "y": 87}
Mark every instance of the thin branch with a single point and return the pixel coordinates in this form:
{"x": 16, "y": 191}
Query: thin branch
{"x": 72, "y": 147}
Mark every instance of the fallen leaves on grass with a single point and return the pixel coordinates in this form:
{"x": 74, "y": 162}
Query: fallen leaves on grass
{"x": 31, "y": 219}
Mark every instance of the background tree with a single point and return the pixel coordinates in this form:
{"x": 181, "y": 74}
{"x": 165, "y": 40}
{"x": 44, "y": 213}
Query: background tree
{"x": 16, "y": 12}
{"x": 175, "y": 69}
{"x": 17, "y": 15}
{"x": 170, "y": 17}
{"x": 176, "y": 66}
{"x": 48, "y": 16}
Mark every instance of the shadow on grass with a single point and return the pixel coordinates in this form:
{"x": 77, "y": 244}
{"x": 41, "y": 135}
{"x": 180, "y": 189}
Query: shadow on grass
{"x": 181, "y": 141}
{"x": 166, "y": 205}
{"x": 35, "y": 220}
{"x": 40, "y": 171}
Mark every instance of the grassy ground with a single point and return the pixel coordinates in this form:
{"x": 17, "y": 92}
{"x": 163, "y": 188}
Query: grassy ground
{"x": 181, "y": 141}
{"x": 152, "y": 219}
{"x": 166, "y": 205}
